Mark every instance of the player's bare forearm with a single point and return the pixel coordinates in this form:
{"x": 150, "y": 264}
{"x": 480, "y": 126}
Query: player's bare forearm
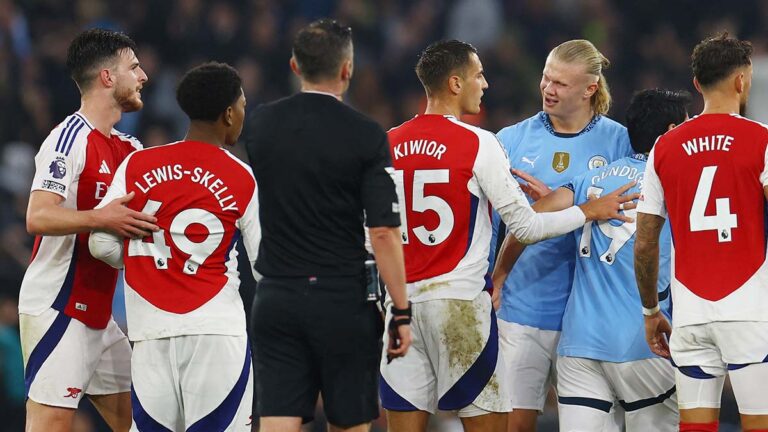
{"x": 509, "y": 252}
{"x": 388, "y": 250}
{"x": 45, "y": 216}
{"x": 647, "y": 257}
{"x": 560, "y": 199}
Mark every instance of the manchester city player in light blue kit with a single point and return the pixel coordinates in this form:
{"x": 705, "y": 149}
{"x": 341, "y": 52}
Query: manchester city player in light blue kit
{"x": 570, "y": 136}
{"x": 602, "y": 355}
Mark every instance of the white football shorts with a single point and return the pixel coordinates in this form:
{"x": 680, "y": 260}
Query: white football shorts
{"x": 192, "y": 383}
{"x": 454, "y": 363}
{"x": 588, "y": 391}
{"x": 65, "y": 359}
{"x": 530, "y": 356}
{"x": 704, "y": 353}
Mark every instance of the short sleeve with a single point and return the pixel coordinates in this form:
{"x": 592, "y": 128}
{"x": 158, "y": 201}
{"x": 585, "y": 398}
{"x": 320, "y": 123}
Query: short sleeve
{"x": 60, "y": 160}
{"x": 764, "y": 173}
{"x": 378, "y": 188}
{"x": 493, "y": 173}
{"x": 250, "y": 226}
{"x": 651, "y": 193}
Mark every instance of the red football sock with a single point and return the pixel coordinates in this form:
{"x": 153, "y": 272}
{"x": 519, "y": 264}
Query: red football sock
{"x": 698, "y": 427}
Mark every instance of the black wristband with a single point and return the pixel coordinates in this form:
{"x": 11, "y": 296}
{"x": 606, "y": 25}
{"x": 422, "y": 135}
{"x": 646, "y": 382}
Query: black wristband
{"x": 401, "y": 312}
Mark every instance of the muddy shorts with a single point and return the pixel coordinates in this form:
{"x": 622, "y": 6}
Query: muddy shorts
{"x": 454, "y": 363}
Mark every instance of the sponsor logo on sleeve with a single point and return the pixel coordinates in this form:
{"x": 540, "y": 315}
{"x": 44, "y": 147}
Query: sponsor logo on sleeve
{"x": 54, "y": 186}
{"x": 58, "y": 168}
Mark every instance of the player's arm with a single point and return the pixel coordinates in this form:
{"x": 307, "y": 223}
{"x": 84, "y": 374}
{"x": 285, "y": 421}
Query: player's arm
{"x": 46, "y": 216}
{"x": 651, "y": 216}
{"x": 511, "y": 249}
{"x": 496, "y": 181}
{"x": 250, "y": 229}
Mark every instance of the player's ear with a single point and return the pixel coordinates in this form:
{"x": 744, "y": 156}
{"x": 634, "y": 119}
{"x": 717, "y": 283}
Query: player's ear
{"x": 227, "y": 116}
{"x": 670, "y": 126}
{"x": 739, "y": 83}
{"x": 591, "y": 89}
{"x": 107, "y": 78}
{"x": 454, "y": 84}
{"x": 697, "y": 85}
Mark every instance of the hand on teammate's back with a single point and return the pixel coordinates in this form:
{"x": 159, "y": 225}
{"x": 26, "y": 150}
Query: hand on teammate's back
{"x": 118, "y": 219}
{"x": 533, "y": 187}
{"x": 609, "y": 206}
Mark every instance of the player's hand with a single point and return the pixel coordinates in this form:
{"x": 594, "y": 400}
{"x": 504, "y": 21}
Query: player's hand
{"x": 496, "y": 298}
{"x": 118, "y": 219}
{"x": 609, "y": 206}
{"x": 657, "y": 333}
{"x": 533, "y": 187}
{"x": 399, "y": 344}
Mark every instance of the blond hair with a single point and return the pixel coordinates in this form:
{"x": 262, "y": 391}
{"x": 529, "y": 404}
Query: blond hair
{"x": 584, "y": 52}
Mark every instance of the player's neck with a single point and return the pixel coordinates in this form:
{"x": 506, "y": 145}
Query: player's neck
{"x": 102, "y": 112}
{"x": 721, "y": 104}
{"x": 206, "y": 133}
{"x": 441, "y": 106}
{"x": 574, "y": 123}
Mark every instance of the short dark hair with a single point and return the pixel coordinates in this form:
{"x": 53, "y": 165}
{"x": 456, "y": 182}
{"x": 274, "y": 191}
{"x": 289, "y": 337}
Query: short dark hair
{"x": 439, "y": 60}
{"x": 321, "y": 47}
{"x": 649, "y": 114}
{"x": 91, "y": 49}
{"x": 716, "y": 57}
{"x": 206, "y": 91}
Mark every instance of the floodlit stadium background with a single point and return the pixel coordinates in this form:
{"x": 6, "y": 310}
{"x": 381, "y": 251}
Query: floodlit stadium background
{"x": 648, "y": 43}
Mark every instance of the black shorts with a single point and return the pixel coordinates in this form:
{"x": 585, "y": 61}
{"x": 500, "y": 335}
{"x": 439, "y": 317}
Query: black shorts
{"x": 315, "y": 337}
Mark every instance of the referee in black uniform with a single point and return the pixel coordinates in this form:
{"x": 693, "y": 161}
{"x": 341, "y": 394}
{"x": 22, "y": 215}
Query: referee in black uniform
{"x": 321, "y": 169}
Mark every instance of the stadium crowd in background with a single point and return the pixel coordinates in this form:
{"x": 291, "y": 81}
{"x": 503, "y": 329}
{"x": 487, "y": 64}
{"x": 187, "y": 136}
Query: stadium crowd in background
{"x": 648, "y": 43}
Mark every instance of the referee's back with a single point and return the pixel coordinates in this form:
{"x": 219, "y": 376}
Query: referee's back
{"x": 318, "y": 164}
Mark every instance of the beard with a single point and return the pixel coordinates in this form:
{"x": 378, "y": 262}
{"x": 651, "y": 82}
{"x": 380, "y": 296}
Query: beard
{"x": 128, "y": 99}
{"x": 743, "y": 108}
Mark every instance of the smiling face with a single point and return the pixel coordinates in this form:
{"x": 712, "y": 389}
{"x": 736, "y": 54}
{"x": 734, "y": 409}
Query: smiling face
{"x": 130, "y": 78}
{"x": 473, "y": 86}
{"x": 566, "y": 88}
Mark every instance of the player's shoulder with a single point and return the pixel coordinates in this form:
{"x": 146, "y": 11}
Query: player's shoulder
{"x": 606, "y": 123}
{"x": 516, "y": 130}
{"x": 752, "y": 125}
{"x": 484, "y": 137}
{"x": 237, "y": 162}
{"x": 71, "y": 133}
{"x": 132, "y": 140}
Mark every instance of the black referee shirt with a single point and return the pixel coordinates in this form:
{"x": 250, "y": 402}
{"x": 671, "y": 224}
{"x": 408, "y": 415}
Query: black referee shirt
{"x": 318, "y": 164}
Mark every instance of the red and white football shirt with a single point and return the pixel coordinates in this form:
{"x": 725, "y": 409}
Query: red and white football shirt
{"x": 448, "y": 174}
{"x": 708, "y": 176}
{"x": 183, "y": 280}
{"x": 77, "y": 162}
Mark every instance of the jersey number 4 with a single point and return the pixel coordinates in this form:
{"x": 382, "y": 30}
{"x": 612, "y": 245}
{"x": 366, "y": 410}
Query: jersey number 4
{"x": 421, "y": 203}
{"x": 723, "y": 221}
{"x": 198, "y": 252}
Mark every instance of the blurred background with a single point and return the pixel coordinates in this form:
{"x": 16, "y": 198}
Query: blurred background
{"x": 648, "y": 43}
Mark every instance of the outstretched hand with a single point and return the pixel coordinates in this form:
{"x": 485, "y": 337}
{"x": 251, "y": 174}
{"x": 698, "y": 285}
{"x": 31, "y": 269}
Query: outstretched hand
{"x": 610, "y": 206}
{"x": 533, "y": 187}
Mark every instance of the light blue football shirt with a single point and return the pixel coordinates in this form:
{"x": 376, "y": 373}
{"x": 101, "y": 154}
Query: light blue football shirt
{"x": 602, "y": 320}
{"x": 537, "y": 289}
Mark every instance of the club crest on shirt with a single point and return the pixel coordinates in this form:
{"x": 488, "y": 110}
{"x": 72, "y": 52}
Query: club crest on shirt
{"x": 561, "y": 161}
{"x": 597, "y": 161}
{"x": 58, "y": 168}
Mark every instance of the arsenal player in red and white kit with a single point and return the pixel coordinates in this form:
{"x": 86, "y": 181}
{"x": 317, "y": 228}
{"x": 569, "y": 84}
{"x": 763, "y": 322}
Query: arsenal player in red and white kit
{"x": 448, "y": 175}
{"x": 191, "y": 362}
{"x": 709, "y": 176}
{"x": 71, "y": 345}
